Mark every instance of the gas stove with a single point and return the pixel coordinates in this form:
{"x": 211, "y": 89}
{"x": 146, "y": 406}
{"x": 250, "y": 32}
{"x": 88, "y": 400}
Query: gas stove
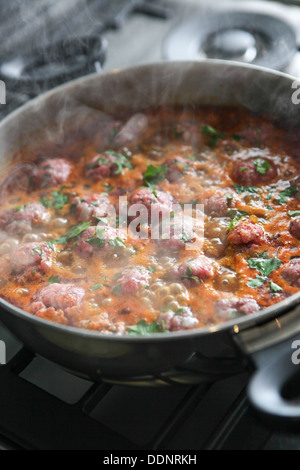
{"x": 43, "y": 44}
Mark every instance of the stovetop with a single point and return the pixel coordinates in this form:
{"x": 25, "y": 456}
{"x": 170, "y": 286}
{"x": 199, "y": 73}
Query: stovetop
{"x": 41, "y": 405}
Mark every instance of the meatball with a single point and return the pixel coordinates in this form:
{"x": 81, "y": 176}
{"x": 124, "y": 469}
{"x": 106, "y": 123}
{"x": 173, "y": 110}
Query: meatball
{"x": 296, "y": 183}
{"x": 183, "y": 319}
{"x": 179, "y": 234}
{"x": 51, "y": 172}
{"x": 32, "y": 255}
{"x": 193, "y": 271}
{"x": 21, "y": 219}
{"x": 254, "y": 171}
{"x": 131, "y": 280}
{"x": 90, "y": 207}
{"x": 295, "y": 228}
{"x": 58, "y": 296}
{"x": 95, "y": 239}
{"x": 158, "y": 204}
{"x": 246, "y": 233}
{"x": 228, "y": 308}
{"x": 291, "y": 272}
{"x": 50, "y": 314}
{"x": 219, "y": 205}
{"x": 103, "y": 324}
{"x": 176, "y": 168}
{"x": 106, "y": 165}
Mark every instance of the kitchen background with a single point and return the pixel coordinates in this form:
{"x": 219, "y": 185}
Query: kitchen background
{"x": 44, "y": 43}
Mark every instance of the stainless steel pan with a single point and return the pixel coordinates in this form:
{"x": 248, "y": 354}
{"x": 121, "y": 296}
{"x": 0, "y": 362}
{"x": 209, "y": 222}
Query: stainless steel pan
{"x": 261, "y": 342}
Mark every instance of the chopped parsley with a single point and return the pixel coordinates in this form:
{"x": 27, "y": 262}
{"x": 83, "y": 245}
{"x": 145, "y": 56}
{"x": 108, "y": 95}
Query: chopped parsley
{"x": 108, "y": 188}
{"x": 286, "y": 193}
{"x": 261, "y": 166}
{"x": 152, "y": 269}
{"x": 57, "y": 200}
{"x": 38, "y": 250}
{"x": 98, "y": 239}
{"x": 294, "y": 213}
{"x": 117, "y": 289}
{"x": 143, "y": 328}
{"x": 117, "y": 243}
{"x": 236, "y": 216}
{"x": 154, "y": 175}
{"x": 241, "y": 189}
{"x": 180, "y": 311}
{"x": 53, "y": 279}
{"x": 73, "y": 232}
{"x": 229, "y": 198}
{"x": 121, "y": 161}
{"x": 257, "y": 282}
{"x": 189, "y": 275}
{"x": 265, "y": 266}
{"x": 274, "y": 287}
{"x": 213, "y": 134}
{"x": 50, "y": 244}
{"x": 96, "y": 286}
{"x": 21, "y": 207}
{"x": 96, "y": 242}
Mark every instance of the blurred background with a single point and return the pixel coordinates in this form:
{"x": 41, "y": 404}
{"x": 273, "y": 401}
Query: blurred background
{"x": 47, "y": 42}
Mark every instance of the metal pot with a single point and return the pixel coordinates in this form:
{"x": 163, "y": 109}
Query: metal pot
{"x": 262, "y": 341}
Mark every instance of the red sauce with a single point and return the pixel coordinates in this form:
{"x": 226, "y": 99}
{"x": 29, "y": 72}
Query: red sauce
{"x": 64, "y": 260}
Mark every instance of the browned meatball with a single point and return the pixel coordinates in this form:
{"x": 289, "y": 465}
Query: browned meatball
{"x": 51, "y": 172}
{"x": 246, "y": 233}
{"x": 254, "y": 171}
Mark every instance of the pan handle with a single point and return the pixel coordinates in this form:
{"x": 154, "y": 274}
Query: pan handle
{"x": 274, "y": 350}
{"x": 274, "y": 389}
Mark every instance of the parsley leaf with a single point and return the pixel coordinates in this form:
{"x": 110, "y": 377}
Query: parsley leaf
{"x": 286, "y": 193}
{"x": 214, "y": 135}
{"x": 264, "y": 266}
{"x": 144, "y": 328}
{"x": 294, "y": 213}
{"x": 241, "y": 189}
{"x": 274, "y": 287}
{"x": 229, "y": 198}
{"x": 152, "y": 269}
{"x": 257, "y": 282}
{"x": 189, "y": 275}
{"x": 261, "y": 166}
{"x": 121, "y": 161}
{"x": 117, "y": 243}
{"x": 96, "y": 286}
{"x": 53, "y": 279}
{"x": 96, "y": 242}
{"x": 57, "y": 200}
{"x": 38, "y": 250}
{"x": 235, "y": 215}
{"x": 73, "y": 232}
{"x": 154, "y": 175}
{"x": 117, "y": 289}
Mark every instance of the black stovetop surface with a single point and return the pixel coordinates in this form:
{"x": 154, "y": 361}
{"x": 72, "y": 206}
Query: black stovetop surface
{"x": 45, "y": 407}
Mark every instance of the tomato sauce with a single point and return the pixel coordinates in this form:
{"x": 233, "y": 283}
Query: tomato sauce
{"x": 68, "y": 254}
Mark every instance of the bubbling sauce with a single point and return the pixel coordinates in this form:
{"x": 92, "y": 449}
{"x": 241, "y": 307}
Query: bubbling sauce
{"x": 105, "y": 237}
